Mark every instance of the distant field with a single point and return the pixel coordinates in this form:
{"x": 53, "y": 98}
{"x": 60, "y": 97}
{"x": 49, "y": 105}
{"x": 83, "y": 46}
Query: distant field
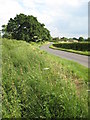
{"x": 36, "y": 84}
{"x": 79, "y": 48}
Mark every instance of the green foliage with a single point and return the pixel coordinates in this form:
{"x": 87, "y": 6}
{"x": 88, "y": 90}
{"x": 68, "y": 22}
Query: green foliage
{"x": 81, "y": 39}
{"x": 5, "y": 33}
{"x": 32, "y": 91}
{"x": 74, "y": 38}
{"x": 0, "y": 34}
{"x": 81, "y": 46}
{"x": 25, "y": 27}
{"x": 88, "y": 39}
{"x": 56, "y": 39}
{"x": 87, "y": 53}
{"x": 64, "y": 39}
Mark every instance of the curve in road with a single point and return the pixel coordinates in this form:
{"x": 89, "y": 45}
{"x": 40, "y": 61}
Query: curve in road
{"x": 81, "y": 59}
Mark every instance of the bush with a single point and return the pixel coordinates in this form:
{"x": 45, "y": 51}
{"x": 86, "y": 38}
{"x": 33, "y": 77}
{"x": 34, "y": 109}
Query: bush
{"x": 75, "y": 46}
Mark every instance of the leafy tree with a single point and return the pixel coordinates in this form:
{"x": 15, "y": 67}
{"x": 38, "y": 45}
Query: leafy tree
{"x": 81, "y": 39}
{"x": 56, "y": 39}
{"x": 5, "y": 33}
{"x": 26, "y": 27}
{"x": 64, "y": 39}
{"x": 75, "y": 38}
{"x": 88, "y": 39}
{"x": 0, "y": 34}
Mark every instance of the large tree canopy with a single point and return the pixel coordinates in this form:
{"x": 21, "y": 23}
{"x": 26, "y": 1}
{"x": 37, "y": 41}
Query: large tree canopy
{"x": 26, "y": 27}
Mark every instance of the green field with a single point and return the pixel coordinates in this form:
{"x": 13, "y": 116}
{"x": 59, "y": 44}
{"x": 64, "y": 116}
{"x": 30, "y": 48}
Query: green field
{"x": 36, "y": 84}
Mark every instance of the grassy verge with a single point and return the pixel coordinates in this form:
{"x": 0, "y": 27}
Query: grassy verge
{"x": 0, "y": 78}
{"x": 36, "y": 84}
{"x": 39, "y": 44}
{"x": 70, "y": 50}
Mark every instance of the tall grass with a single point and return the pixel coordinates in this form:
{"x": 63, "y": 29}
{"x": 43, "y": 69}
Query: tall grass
{"x": 0, "y": 79}
{"x": 36, "y": 84}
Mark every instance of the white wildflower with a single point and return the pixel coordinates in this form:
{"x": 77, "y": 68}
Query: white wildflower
{"x": 45, "y": 68}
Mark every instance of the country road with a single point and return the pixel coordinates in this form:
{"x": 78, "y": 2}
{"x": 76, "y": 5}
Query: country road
{"x": 81, "y": 59}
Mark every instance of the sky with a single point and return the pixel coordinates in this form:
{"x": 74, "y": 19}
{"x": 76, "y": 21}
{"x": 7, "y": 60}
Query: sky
{"x": 63, "y": 18}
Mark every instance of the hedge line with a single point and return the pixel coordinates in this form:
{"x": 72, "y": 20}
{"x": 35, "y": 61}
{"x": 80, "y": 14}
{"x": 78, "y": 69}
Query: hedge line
{"x": 74, "y": 46}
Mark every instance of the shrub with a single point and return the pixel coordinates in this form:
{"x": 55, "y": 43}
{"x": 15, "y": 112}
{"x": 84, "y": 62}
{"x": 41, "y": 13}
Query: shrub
{"x": 81, "y": 46}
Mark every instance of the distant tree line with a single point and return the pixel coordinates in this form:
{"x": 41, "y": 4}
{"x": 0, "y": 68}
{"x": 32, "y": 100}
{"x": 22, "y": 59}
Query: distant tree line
{"x": 80, "y": 39}
{"x": 25, "y": 27}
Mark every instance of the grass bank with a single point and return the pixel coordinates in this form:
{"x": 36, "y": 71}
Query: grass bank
{"x": 36, "y": 84}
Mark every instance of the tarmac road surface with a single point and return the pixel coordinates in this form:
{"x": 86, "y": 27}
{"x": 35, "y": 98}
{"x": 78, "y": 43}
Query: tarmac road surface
{"x": 81, "y": 59}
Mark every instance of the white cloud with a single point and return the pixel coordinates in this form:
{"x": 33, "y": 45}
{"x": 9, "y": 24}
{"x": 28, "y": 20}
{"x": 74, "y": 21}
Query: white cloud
{"x": 47, "y": 12}
{"x": 8, "y": 9}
